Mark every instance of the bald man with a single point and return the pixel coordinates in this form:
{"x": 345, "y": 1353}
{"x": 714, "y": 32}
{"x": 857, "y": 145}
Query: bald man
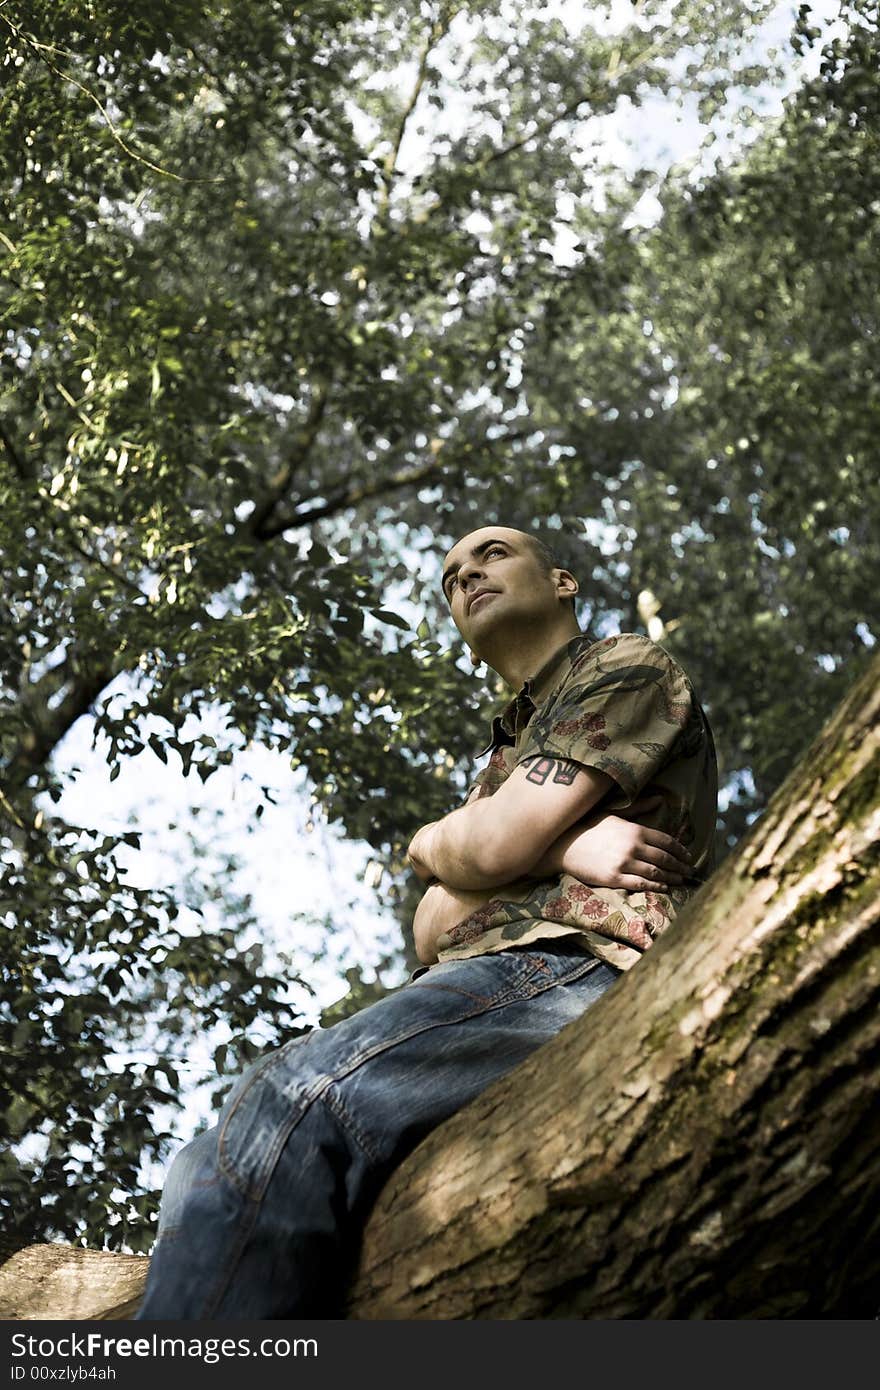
{"x": 540, "y": 891}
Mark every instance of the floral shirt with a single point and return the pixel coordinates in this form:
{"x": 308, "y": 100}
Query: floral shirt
{"x": 624, "y": 706}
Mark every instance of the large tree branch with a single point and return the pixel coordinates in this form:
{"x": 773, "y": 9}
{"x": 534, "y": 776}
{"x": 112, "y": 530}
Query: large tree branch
{"x": 351, "y": 495}
{"x": 258, "y": 523}
{"x": 438, "y": 30}
{"x": 45, "y": 725}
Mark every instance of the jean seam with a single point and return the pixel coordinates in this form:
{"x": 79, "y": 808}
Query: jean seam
{"x": 484, "y": 999}
{"x": 334, "y": 1103}
{"x": 222, "y": 1283}
{"x": 298, "y": 1112}
{"x": 504, "y": 994}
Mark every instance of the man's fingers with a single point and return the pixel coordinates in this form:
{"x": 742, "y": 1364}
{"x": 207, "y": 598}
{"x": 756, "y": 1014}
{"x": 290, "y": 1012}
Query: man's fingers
{"x": 659, "y": 858}
{"x": 668, "y": 843}
{"x": 635, "y": 883}
{"x": 656, "y": 873}
{"x": 669, "y": 863}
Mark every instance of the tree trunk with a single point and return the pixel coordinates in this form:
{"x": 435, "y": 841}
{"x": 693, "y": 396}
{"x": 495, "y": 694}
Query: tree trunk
{"x": 705, "y": 1142}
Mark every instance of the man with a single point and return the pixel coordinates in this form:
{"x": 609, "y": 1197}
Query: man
{"x": 597, "y": 722}
{"x": 537, "y": 897}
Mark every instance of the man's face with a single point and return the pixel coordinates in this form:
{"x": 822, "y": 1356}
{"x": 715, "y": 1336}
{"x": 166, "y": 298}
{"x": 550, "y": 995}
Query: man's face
{"x": 493, "y": 577}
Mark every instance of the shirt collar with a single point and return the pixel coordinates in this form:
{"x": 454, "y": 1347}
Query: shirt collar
{"x": 513, "y": 718}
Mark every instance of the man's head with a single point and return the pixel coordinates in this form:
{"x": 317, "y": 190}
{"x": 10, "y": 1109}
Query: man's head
{"x": 507, "y": 594}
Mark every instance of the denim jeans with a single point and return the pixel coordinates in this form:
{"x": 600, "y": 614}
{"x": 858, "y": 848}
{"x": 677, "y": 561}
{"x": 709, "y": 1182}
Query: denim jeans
{"x": 261, "y": 1216}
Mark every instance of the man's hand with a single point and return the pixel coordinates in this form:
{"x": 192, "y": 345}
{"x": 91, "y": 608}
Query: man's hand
{"x": 616, "y": 852}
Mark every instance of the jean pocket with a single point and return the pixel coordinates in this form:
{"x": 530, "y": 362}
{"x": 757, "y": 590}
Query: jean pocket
{"x": 490, "y": 979}
{"x": 260, "y": 1111}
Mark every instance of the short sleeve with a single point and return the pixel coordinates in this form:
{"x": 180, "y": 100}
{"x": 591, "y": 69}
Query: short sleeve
{"x": 622, "y": 709}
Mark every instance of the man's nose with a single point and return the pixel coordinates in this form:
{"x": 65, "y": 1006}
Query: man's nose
{"x": 472, "y": 571}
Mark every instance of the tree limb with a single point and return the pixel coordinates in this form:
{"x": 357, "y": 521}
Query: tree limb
{"x": 22, "y": 467}
{"x": 46, "y": 731}
{"x": 351, "y": 496}
{"x": 704, "y": 1142}
{"x": 438, "y": 30}
{"x": 301, "y": 446}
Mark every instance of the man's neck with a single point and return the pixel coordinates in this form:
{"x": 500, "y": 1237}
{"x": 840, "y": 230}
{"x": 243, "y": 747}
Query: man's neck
{"x": 523, "y": 660}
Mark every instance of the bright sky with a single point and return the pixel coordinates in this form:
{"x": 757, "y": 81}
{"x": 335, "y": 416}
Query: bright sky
{"x": 296, "y": 877}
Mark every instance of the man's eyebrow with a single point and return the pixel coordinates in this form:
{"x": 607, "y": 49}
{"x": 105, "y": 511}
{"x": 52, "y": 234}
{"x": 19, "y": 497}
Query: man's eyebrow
{"x": 477, "y": 551}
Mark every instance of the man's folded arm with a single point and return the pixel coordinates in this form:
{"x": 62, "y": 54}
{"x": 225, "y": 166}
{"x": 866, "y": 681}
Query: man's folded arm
{"x": 496, "y": 839}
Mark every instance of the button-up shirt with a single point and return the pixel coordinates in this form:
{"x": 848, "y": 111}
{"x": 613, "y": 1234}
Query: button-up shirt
{"x": 624, "y": 706}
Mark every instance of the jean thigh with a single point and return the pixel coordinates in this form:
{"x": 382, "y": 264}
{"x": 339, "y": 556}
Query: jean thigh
{"x": 503, "y": 1005}
{"x": 404, "y": 1063}
{"x": 271, "y": 1098}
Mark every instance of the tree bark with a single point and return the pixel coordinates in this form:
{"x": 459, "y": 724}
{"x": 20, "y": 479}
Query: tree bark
{"x": 704, "y": 1143}
{"x": 63, "y": 1281}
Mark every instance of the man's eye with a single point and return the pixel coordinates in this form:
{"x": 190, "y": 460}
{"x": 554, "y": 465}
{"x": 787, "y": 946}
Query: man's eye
{"x": 494, "y": 550}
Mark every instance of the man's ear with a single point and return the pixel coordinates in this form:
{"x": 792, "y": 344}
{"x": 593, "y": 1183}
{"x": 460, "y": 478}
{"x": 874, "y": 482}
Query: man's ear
{"x": 477, "y": 660}
{"x": 566, "y": 584}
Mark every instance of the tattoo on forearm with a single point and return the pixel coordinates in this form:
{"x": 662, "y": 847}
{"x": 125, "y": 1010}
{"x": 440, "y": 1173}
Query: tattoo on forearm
{"x": 541, "y": 768}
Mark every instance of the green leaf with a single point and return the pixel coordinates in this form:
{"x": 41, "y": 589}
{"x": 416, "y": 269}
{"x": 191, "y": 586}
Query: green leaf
{"x": 385, "y": 615}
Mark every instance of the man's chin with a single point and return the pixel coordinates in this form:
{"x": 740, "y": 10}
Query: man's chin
{"x": 486, "y": 638}
{"x": 482, "y": 603}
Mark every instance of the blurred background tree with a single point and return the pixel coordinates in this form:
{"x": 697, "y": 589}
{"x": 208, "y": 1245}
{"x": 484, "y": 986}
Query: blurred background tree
{"x": 293, "y": 297}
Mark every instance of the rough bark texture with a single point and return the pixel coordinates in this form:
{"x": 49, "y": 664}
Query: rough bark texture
{"x": 62, "y": 1281}
{"x": 705, "y": 1142}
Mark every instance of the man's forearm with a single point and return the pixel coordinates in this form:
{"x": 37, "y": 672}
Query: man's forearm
{"x": 497, "y": 838}
{"x": 607, "y": 851}
{"x": 553, "y": 860}
{"x": 461, "y": 850}
{"x": 449, "y": 853}
{"x": 442, "y": 907}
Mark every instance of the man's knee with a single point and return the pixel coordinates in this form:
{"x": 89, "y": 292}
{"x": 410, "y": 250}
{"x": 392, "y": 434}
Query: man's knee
{"x": 193, "y": 1171}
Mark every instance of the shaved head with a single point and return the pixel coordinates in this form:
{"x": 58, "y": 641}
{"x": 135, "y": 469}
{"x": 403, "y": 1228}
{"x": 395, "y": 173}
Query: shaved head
{"x": 540, "y": 548}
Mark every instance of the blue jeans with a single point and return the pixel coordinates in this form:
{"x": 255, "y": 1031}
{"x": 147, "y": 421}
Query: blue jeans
{"x": 261, "y": 1216}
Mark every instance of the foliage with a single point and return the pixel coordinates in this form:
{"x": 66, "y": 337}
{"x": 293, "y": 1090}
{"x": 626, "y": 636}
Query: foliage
{"x": 281, "y": 319}
{"x": 762, "y": 288}
{"x": 88, "y": 957}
